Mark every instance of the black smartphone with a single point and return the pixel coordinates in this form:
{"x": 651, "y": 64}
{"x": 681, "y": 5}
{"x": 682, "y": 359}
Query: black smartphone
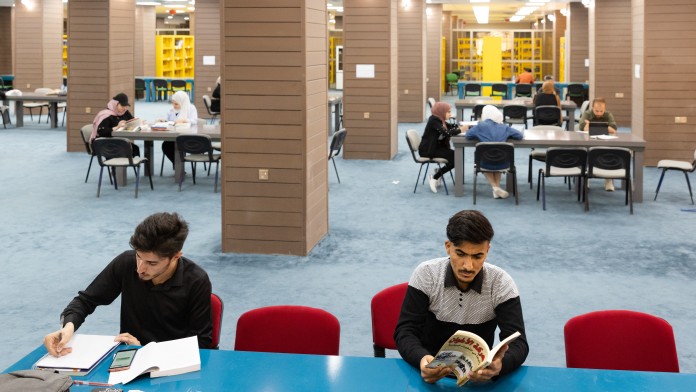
{"x": 122, "y": 360}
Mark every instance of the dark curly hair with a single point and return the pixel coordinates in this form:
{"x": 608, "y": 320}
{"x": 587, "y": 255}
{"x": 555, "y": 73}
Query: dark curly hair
{"x": 162, "y": 233}
{"x": 470, "y": 226}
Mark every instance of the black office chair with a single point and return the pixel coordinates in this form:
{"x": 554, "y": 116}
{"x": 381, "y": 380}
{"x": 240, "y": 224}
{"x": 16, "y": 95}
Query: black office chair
{"x": 335, "y": 149}
{"x": 472, "y": 90}
{"x": 610, "y": 163}
{"x": 499, "y": 90}
{"x": 515, "y": 114}
{"x": 139, "y": 88}
{"x": 160, "y": 86}
{"x": 476, "y": 112}
{"x": 113, "y": 152}
{"x": 547, "y": 115}
{"x": 178, "y": 85}
{"x": 194, "y": 149}
{"x": 523, "y": 90}
{"x": 576, "y": 92}
{"x": 563, "y": 162}
{"x": 86, "y": 133}
{"x": 496, "y": 153}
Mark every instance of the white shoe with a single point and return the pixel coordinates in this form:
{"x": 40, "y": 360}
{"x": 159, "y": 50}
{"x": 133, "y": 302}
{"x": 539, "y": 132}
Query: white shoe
{"x": 495, "y": 195}
{"x": 609, "y": 185}
{"x": 433, "y": 184}
{"x": 439, "y": 180}
{"x": 501, "y": 193}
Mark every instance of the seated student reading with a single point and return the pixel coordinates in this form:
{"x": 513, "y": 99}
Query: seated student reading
{"x": 461, "y": 292}
{"x": 113, "y": 117}
{"x": 164, "y": 295}
{"x": 599, "y": 113}
{"x": 435, "y": 142}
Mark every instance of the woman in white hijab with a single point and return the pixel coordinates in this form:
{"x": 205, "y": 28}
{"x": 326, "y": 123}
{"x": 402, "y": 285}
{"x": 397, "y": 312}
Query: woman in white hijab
{"x": 182, "y": 112}
{"x": 492, "y": 129}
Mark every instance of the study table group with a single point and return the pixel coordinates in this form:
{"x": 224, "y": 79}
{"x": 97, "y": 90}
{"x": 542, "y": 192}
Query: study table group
{"x": 226, "y": 370}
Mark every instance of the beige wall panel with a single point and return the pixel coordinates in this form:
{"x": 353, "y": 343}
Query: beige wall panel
{"x": 578, "y": 43}
{"x": 263, "y": 73}
{"x": 265, "y": 161}
{"x": 261, "y": 218}
{"x": 259, "y": 58}
{"x": 263, "y": 131}
{"x": 261, "y": 29}
{"x": 265, "y": 189}
{"x": 277, "y": 87}
{"x": 264, "y": 102}
{"x": 267, "y": 146}
{"x": 271, "y": 15}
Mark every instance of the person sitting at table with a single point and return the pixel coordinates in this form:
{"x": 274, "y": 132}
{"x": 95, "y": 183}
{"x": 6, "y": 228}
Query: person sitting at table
{"x": 182, "y": 112}
{"x": 599, "y": 112}
{"x": 215, "y": 100}
{"x": 547, "y": 96}
{"x": 113, "y": 117}
{"x": 492, "y": 129}
{"x": 164, "y": 295}
{"x": 461, "y": 292}
{"x": 525, "y": 77}
{"x": 435, "y": 142}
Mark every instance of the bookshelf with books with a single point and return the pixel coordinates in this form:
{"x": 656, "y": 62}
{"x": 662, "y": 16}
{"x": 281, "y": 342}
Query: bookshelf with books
{"x": 65, "y": 56}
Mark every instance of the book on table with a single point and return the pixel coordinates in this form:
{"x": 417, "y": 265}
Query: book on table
{"x": 132, "y": 125}
{"x": 87, "y": 352}
{"x": 161, "y": 359}
{"x": 466, "y": 352}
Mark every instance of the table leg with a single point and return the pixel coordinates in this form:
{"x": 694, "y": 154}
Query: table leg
{"x": 121, "y": 176}
{"x": 54, "y": 114}
{"x": 460, "y": 114}
{"x": 19, "y": 113}
{"x": 178, "y": 165}
{"x": 459, "y": 171}
{"x": 150, "y": 155}
{"x": 638, "y": 176}
{"x": 571, "y": 119}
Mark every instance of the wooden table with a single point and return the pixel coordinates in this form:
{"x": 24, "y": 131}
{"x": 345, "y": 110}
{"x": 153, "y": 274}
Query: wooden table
{"x": 212, "y": 130}
{"x": 461, "y": 104}
{"x": 536, "y": 138}
{"x": 51, "y": 99}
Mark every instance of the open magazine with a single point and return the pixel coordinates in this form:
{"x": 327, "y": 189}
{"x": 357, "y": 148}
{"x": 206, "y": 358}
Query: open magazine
{"x": 131, "y": 125}
{"x": 464, "y": 352}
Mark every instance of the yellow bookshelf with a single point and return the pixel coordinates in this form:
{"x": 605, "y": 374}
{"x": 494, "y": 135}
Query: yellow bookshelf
{"x": 65, "y": 56}
{"x": 174, "y": 56}
{"x": 333, "y": 42}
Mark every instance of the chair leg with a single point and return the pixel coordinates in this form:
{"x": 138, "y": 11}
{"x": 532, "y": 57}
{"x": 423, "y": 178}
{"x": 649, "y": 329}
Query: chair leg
{"x": 89, "y": 167}
{"x": 149, "y": 175}
{"x": 162, "y": 165}
{"x": 529, "y": 174}
{"x": 475, "y": 186}
{"x": 418, "y": 178}
{"x": 193, "y": 171}
{"x": 586, "y": 193}
{"x": 688, "y": 183}
{"x": 514, "y": 187}
{"x": 336, "y": 170}
{"x": 137, "y": 179}
{"x": 65, "y": 110}
{"x": 113, "y": 174}
{"x": 101, "y": 172}
{"x": 629, "y": 193}
{"x": 443, "y": 180}
{"x": 427, "y": 167}
{"x": 543, "y": 190}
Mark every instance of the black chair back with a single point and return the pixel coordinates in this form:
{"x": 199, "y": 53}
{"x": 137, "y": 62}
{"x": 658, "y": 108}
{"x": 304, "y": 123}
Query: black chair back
{"x": 178, "y": 84}
{"x": 494, "y": 153}
{"x": 548, "y": 115}
{"x": 139, "y": 84}
{"x": 565, "y": 158}
{"x": 472, "y": 90}
{"x": 609, "y": 158}
{"x": 523, "y": 90}
{"x": 194, "y": 144}
{"x": 476, "y": 112}
{"x": 106, "y": 148}
{"x": 499, "y": 90}
{"x": 337, "y": 142}
{"x": 515, "y": 112}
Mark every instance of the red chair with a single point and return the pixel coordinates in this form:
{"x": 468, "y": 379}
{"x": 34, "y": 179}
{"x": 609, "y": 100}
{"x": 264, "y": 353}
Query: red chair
{"x": 288, "y": 329}
{"x": 216, "y": 308}
{"x": 620, "y": 340}
{"x": 386, "y": 307}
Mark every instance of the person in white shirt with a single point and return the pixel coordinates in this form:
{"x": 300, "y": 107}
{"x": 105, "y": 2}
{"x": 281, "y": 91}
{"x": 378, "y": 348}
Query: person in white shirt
{"x": 182, "y": 112}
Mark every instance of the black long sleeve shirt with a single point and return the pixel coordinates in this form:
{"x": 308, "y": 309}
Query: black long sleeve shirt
{"x": 435, "y": 307}
{"x": 177, "y": 308}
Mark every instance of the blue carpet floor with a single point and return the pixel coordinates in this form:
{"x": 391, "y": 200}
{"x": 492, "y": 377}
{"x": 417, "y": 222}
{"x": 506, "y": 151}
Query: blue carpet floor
{"x": 56, "y": 236}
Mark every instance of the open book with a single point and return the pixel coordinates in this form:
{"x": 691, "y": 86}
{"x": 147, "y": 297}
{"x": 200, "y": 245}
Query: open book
{"x": 88, "y": 351}
{"x": 132, "y": 125}
{"x": 464, "y": 352}
{"x": 162, "y": 359}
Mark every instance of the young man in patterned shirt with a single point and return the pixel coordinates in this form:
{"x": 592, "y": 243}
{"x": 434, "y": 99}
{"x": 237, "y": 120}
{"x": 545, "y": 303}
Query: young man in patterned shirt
{"x": 461, "y": 292}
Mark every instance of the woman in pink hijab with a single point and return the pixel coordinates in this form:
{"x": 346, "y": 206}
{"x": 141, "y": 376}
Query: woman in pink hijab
{"x": 114, "y": 116}
{"x": 435, "y": 142}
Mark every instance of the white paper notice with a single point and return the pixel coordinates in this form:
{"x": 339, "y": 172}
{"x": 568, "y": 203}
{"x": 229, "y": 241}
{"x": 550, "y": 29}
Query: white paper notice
{"x": 365, "y": 71}
{"x": 208, "y": 60}
{"x": 637, "y": 71}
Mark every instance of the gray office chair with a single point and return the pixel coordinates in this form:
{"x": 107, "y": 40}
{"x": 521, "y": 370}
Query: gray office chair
{"x": 37, "y": 105}
{"x": 684, "y": 167}
{"x": 113, "y": 152}
{"x": 413, "y": 140}
{"x": 515, "y": 114}
{"x": 562, "y": 162}
{"x": 213, "y": 115}
{"x": 195, "y": 149}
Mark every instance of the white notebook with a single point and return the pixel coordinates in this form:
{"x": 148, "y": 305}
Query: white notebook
{"x": 88, "y": 351}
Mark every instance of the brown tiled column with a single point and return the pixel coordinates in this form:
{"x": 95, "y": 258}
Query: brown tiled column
{"x": 207, "y": 33}
{"x": 663, "y": 48}
{"x": 6, "y": 40}
{"x": 100, "y": 60}
{"x": 412, "y": 60}
{"x": 274, "y": 105}
{"x": 433, "y": 52}
{"x": 577, "y": 44}
{"x": 144, "y": 54}
{"x": 370, "y": 103}
{"x": 610, "y": 56}
{"x": 38, "y": 45}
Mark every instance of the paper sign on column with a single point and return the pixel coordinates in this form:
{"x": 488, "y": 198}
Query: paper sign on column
{"x": 365, "y": 71}
{"x": 162, "y": 359}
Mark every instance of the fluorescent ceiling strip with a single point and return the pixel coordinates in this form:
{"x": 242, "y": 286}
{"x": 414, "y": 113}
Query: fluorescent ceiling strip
{"x": 481, "y": 13}
{"x": 526, "y": 11}
{"x": 479, "y": 1}
{"x": 148, "y": 3}
{"x": 516, "y": 18}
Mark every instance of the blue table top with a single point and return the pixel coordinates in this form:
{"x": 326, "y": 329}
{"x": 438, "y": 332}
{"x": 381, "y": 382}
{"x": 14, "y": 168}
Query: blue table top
{"x": 510, "y": 86}
{"x": 223, "y": 370}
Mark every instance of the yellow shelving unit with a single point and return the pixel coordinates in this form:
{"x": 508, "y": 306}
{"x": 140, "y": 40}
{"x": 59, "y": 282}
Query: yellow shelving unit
{"x": 333, "y": 42}
{"x": 528, "y": 49}
{"x": 174, "y": 56}
{"x": 65, "y": 56}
